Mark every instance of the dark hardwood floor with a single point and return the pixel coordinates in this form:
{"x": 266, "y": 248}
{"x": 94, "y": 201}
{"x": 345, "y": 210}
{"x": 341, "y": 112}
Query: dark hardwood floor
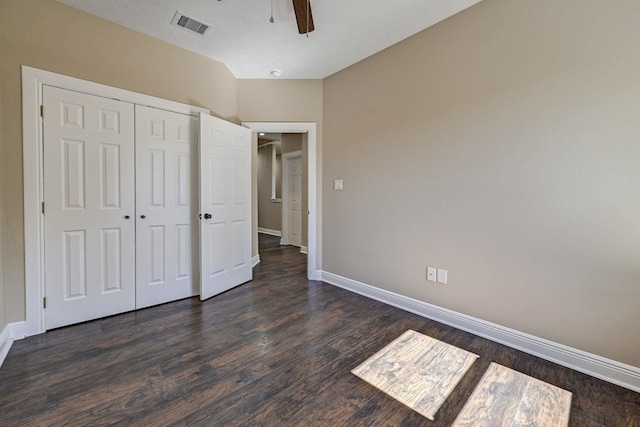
{"x": 276, "y": 351}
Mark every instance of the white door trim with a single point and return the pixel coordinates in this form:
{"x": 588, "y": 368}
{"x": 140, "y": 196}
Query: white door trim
{"x": 314, "y": 184}
{"x": 285, "y": 194}
{"x": 32, "y": 81}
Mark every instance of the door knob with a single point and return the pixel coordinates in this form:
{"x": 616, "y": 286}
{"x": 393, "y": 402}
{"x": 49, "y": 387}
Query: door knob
{"x": 127, "y": 217}
{"x": 207, "y": 216}
{"x": 142, "y": 216}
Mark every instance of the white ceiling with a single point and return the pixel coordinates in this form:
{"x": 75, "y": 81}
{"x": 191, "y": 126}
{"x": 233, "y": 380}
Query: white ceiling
{"x": 242, "y": 37}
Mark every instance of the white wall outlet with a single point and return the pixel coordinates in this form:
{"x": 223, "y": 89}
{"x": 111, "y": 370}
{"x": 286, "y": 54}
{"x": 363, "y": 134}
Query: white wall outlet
{"x": 431, "y": 274}
{"x": 442, "y": 276}
{"x": 337, "y": 184}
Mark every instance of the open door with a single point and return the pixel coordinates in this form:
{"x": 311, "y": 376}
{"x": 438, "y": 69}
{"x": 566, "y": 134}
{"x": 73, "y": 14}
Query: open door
{"x": 225, "y": 206}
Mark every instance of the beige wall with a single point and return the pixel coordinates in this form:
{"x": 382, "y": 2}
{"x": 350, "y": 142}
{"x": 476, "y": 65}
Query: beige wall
{"x": 48, "y": 35}
{"x": 283, "y": 101}
{"x": 3, "y": 299}
{"x": 269, "y": 212}
{"x": 502, "y": 145}
{"x": 280, "y": 101}
{"x": 291, "y": 142}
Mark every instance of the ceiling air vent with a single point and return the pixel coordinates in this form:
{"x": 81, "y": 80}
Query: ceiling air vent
{"x": 188, "y": 23}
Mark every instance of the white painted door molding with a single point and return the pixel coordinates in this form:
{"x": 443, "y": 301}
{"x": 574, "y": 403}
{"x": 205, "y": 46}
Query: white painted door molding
{"x": 33, "y": 81}
{"x": 314, "y": 171}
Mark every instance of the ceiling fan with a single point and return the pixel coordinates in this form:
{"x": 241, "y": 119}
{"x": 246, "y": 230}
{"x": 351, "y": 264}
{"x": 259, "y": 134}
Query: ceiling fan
{"x": 304, "y": 18}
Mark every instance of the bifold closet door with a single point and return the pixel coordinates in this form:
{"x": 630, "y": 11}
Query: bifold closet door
{"x": 166, "y": 219}
{"x": 122, "y": 184}
{"x": 89, "y": 212}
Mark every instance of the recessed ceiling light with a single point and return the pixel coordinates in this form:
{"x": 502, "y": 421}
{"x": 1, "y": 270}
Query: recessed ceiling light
{"x": 276, "y": 73}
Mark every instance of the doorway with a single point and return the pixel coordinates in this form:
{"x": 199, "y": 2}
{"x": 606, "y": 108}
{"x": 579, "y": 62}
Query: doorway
{"x": 281, "y": 172}
{"x": 313, "y": 186}
{"x": 269, "y": 177}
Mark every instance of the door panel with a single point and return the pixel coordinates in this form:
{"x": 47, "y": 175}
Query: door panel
{"x": 111, "y": 253}
{"x": 88, "y": 194}
{"x": 165, "y": 199}
{"x": 110, "y": 159}
{"x": 292, "y": 200}
{"x": 225, "y": 205}
{"x": 74, "y": 276}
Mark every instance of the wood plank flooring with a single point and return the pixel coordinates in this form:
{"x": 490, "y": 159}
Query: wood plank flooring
{"x": 276, "y": 351}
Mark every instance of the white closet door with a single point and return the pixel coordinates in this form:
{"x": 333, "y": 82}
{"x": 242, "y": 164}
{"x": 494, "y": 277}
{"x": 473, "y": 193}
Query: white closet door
{"x": 225, "y": 206}
{"x": 89, "y": 201}
{"x": 166, "y": 192}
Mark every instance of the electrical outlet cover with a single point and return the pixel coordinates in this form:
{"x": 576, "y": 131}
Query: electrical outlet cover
{"x": 442, "y": 276}
{"x": 431, "y": 274}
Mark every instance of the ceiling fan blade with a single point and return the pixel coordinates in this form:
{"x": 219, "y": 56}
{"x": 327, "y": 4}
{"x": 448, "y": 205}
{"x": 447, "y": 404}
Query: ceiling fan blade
{"x": 302, "y": 8}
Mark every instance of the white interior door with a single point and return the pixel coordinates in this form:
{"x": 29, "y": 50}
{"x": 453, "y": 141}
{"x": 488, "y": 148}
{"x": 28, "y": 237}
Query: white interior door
{"x": 294, "y": 201}
{"x": 225, "y": 205}
{"x": 166, "y": 197}
{"x": 89, "y": 206}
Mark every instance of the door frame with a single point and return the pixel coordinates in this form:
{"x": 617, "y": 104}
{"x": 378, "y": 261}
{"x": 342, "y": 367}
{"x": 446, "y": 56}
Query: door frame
{"x": 33, "y": 79}
{"x": 286, "y": 158}
{"x": 314, "y": 185}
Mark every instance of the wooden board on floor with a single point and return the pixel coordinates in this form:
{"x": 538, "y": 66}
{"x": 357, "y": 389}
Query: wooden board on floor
{"x": 505, "y": 397}
{"x": 417, "y": 370}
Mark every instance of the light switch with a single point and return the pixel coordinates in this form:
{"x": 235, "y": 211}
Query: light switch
{"x": 337, "y": 184}
{"x": 431, "y": 274}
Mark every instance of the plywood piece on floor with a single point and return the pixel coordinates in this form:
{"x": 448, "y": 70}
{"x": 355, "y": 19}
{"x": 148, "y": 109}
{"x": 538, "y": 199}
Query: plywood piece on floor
{"x": 505, "y": 397}
{"x": 417, "y": 370}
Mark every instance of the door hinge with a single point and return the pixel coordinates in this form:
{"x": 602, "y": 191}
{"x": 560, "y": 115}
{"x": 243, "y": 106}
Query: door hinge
{"x": 42, "y": 111}
{"x": 44, "y": 302}
{"x": 43, "y": 208}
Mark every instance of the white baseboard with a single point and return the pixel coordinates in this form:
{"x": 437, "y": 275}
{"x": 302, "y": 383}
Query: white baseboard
{"x": 270, "y": 232}
{"x": 18, "y": 330}
{"x": 304, "y": 250}
{"x": 10, "y": 333}
{"x": 615, "y": 372}
{"x": 255, "y": 260}
{"x": 314, "y": 275}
